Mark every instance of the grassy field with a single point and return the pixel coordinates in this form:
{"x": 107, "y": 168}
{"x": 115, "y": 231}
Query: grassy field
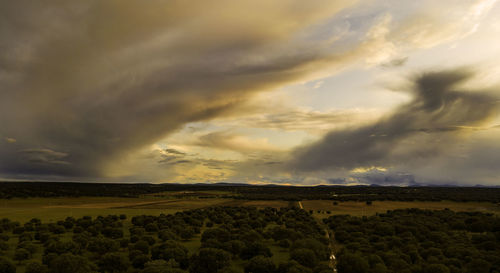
{"x": 362, "y": 209}
{"x": 54, "y": 209}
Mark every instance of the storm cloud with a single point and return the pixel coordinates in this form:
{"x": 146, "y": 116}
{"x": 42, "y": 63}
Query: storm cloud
{"x": 94, "y": 80}
{"x": 438, "y": 116}
{"x": 107, "y": 90}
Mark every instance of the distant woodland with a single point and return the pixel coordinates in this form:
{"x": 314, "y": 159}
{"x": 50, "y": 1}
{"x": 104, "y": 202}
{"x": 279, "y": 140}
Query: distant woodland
{"x": 251, "y": 192}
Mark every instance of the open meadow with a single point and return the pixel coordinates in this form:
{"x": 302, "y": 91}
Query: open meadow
{"x": 58, "y": 208}
{"x": 324, "y": 208}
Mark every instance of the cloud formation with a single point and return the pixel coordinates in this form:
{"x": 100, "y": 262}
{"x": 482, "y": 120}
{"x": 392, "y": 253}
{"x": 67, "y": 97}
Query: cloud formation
{"x": 440, "y": 112}
{"x": 88, "y": 85}
{"x": 296, "y": 119}
{"x": 234, "y": 142}
{"x": 96, "y": 80}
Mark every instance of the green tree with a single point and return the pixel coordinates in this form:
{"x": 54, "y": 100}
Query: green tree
{"x": 142, "y": 246}
{"x": 171, "y": 250}
{"x": 478, "y": 266}
{"x": 435, "y": 268}
{"x": 140, "y": 260}
{"x": 21, "y": 254}
{"x": 102, "y": 245}
{"x": 352, "y": 263}
{"x": 209, "y": 260}
{"x": 294, "y": 267}
{"x": 6, "y": 266}
{"x": 161, "y": 266}
{"x": 36, "y": 267}
{"x": 71, "y": 263}
{"x": 305, "y": 257}
{"x": 113, "y": 262}
{"x": 260, "y": 264}
{"x": 255, "y": 249}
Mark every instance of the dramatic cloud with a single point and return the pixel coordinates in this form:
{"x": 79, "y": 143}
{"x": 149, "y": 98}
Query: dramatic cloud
{"x": 316, "y": 122}
{"x": 92, "y": 90}
{"x": 439, "y": 114}
{"x": 98, "y": 79}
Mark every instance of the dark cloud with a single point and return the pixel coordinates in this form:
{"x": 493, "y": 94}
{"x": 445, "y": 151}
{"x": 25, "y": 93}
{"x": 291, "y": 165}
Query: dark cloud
{"x": 174, "y": 151}
{"x": 431, "y": 122}
{"x": 395, "y": 63}
{"x": 43, "y": 156}
{"x": 97, "y": 80}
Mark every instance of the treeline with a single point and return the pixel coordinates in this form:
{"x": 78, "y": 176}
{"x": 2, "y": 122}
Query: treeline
{"x": 254, "y": 192}
{"x": 418, "y": 241}
{"x": 370, "y": 193}
{"x": 228, "y": 239}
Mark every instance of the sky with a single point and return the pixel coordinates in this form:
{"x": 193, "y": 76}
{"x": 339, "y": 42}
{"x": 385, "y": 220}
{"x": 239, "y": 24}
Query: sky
{"x": 387, "y": 92}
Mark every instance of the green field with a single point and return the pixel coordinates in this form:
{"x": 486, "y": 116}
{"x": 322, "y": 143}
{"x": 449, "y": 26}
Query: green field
{"x": 54, "y": 209}
{"x": 362, "y": 209}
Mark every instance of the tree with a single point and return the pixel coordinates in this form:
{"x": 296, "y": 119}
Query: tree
{"x": 161, "y": 266}
{"x": 151, "y": 227}
{"x": 186, "y": 233}
{"x": 260, "y": 264}
{"x": 320, "y": 249}
{"x": 478, "y": 266}
{"x": 6, "y": 266}
{"x": 166, "y": 234}
{"x": 294, "y": 267}
{"x": 230, "y": 269}
{"x": 113, "y": 233}
{"x": 140, "y": 260}
{"x": 234, "y": 246}
{"x": 209, "y": 260}
{"x": 305, "y": 257}
{"x": 171, "y": 250}
{"x": 36, "y": 267}
{"x": 435, "y": 268}
{"x": 21, "y": 254}
{"x": 113, "y": 262}
{"x": 255, "y": 249}
{"x": 218, "y": 234}
{"x": 142, "y": 246}
{"x": 352, "y": 263}
{"x": 102, "y": 245}
{"x": 71, "y": 263}
{"x": 32, "y": 248}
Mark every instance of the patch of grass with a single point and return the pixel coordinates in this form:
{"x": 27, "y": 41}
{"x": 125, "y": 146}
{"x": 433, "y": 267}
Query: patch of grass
{"x": 362, "y": 209}
{"x": 280, "y": 255}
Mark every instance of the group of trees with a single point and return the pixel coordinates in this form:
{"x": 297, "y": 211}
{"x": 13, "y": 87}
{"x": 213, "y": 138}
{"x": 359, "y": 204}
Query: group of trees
{"x": 231, "y": 239}
{"x": 254, "y": 192}
{"x": 418, "y": 241}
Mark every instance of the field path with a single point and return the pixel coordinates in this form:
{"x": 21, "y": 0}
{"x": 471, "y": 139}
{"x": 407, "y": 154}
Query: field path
{"x": 331, "y": 245}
